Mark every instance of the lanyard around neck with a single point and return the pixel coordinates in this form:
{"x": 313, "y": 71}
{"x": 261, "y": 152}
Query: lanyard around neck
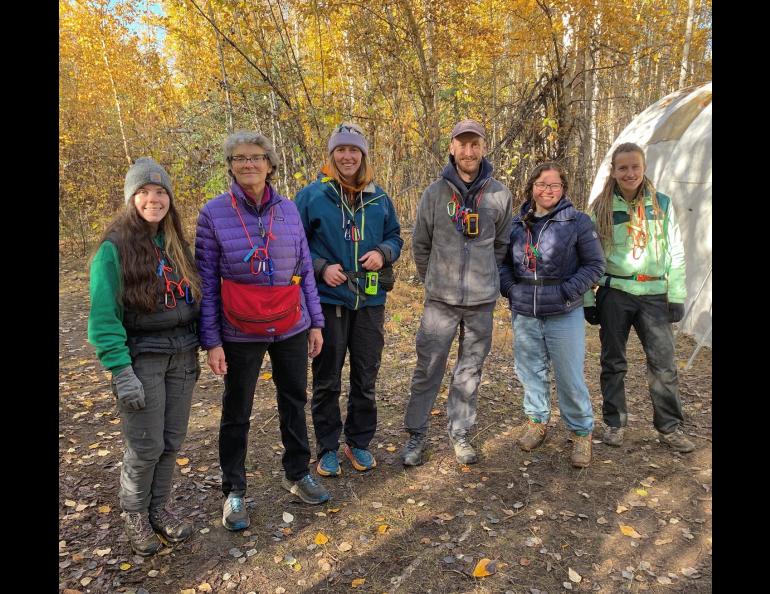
{"x": 260, "y": 255}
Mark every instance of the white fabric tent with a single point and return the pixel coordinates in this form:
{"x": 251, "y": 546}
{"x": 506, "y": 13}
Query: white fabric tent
{"x": 675, "y": 134}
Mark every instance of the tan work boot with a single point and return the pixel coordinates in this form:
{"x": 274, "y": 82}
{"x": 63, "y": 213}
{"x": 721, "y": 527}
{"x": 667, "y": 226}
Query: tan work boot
{"x": 534, "y": 435}
{"x": 581, "y": 450}
{"x": 464, "y": 452}
{"x": 144, "y": 541}
{"x": 677, "y": 441}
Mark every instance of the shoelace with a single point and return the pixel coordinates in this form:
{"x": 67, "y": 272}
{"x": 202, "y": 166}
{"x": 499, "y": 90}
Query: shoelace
{"x": 414, "y": 441}
{"x": 138, "y": 526}
{"x": 166, "y": 517}
{"x": 309, "y": 480}
{"x": 359, "y": 453}
{"x": 236, "y": 504}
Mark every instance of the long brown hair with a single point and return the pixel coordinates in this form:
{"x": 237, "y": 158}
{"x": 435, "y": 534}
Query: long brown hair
{"x": 141, "y": 290}
{"x": 602, "y": 206}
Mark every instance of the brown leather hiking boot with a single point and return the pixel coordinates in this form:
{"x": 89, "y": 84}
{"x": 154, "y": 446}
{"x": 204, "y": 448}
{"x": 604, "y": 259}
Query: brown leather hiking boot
{"x": 167, "y": 524}
{"x": 581, "y": 450}
{"x": 534, "y": 435}
{"x": 677, "y": 441}
{"x": 144, "y": 541}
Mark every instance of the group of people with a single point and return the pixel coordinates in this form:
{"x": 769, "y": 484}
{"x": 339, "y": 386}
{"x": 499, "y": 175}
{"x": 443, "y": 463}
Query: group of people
{"x": 309, "y": 278}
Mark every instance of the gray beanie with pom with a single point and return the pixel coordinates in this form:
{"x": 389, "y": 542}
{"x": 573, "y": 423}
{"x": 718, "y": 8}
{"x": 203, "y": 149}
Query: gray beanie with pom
{"x": 145, "y": 170}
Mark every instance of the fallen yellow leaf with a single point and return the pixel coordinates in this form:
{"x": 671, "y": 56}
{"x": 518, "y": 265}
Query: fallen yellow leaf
{"x": 391, "y": 448}
{"x": 333, "y": 510}
{"x": 93, "y": 446}
{"x": 382, "y": 528}
{"x": 641, "y": 492}
{"x": 182, "y": 461}
{"x": 358, "y": 582}
{"x": 125, "y": 566}
{"x": 321, "y": 538}
{"x": 484, "y": 568}
{"x": 266, "y": 376}
{"x": 629, "y": 531}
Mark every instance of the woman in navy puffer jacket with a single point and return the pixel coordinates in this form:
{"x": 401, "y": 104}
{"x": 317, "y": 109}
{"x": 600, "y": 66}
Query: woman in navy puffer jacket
{"x": 553, "y": 258}
{"x": 259, "y": 295}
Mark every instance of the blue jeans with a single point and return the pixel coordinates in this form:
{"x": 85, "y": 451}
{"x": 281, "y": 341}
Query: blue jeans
{"x": 560, "y": 339}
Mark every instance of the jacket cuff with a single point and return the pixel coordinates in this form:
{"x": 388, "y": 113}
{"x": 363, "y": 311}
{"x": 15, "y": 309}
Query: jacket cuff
{"x": 319, "y": 266}
{"x": 386, "y": 253}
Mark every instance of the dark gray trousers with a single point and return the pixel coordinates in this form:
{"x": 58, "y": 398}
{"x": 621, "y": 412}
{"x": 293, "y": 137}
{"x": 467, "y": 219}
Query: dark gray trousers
{"x": 360, "y": 333}
{"x": 154, "y": 435}
{"x": 438, "y": 327}
{"x": 648, "y": 315}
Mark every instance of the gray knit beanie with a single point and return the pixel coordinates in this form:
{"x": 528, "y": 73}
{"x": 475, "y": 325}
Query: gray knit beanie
{"x": 348, "y": 133}
{"x": 145, "y": 170}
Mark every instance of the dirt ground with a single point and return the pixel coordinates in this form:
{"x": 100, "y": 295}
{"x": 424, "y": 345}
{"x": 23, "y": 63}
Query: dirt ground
{"x": 638, "y": 519}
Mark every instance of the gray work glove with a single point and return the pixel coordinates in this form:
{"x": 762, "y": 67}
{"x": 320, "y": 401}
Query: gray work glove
{"x": 128, "y": 389}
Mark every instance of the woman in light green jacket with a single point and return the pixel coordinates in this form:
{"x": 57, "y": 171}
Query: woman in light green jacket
{"x": 644, "y": 288}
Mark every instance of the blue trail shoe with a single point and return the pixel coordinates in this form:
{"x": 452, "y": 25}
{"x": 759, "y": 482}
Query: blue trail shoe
{"x": 362, "y": 460}
{"x": 234, "y": 514}
{"x": 329, "y": 465}
{"x": 307, "y": 489}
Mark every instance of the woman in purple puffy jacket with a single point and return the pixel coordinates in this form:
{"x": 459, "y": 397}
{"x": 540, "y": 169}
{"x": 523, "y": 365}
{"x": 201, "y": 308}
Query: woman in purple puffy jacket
{"x": 250, "y": 247}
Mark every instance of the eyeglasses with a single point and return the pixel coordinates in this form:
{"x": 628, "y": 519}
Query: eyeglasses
{"x": 553, "y": 187}
{"x": 242, "y": 159}
{"x": 342, "y": 128}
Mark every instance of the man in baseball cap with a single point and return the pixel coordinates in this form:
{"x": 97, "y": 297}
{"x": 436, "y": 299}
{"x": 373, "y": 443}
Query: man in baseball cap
{"x": 461, "y": 232}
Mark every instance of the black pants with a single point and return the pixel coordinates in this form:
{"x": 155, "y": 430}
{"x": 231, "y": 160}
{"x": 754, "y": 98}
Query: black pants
{"x": 648, "y": 314}
{"x": 361, "y": 333}
{"x": 289, "y": 360}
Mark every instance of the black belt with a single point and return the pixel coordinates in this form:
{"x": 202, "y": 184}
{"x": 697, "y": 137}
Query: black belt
{"x": 539, "y": 282}
{"x": 637, "y": 277}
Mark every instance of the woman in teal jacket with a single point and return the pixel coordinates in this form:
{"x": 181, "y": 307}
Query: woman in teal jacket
{"x": 144, "y": 311}
{"x": 354, "y": 238}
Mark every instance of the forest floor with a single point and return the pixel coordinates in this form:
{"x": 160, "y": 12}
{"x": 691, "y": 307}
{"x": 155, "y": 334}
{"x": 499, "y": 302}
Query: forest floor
{"x": 637, "y": 519}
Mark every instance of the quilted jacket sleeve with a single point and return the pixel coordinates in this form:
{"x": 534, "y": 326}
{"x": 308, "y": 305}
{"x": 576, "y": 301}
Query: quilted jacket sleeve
{"x": 207, "y": 259}
{"x": 590, "y": 258}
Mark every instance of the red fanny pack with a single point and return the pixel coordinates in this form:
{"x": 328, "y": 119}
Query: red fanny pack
{"x": 263, "y": 310}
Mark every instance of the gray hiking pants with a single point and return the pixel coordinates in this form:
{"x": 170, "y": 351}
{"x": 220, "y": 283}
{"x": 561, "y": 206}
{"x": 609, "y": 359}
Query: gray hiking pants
{"x": 154, "y": 434}
{"x": 434, "y": 338}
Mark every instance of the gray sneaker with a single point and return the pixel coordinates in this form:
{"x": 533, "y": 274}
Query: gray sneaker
{"x": 144, "y": 541}
{"x": 171, "y": 527}
{"x": 307, "y": 489}
{"x": 234, "y": 514}
{"x": 677, "y": 441}
{"x": 411, "y": 455}
{"x": 464, "y": 452}
{"x": 613, "y": 436}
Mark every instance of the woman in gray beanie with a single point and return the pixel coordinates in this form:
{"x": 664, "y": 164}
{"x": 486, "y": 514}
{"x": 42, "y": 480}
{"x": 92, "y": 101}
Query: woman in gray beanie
{"x": 143, "y": 323}
{"x": 354, "y": 237}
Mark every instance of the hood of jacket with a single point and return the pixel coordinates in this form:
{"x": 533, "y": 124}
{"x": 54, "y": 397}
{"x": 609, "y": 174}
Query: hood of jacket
{"x": 450, "y": 174}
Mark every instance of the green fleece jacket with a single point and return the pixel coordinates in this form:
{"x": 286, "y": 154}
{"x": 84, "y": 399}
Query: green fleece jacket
{"x": 105, "y": 320}
{"x": 663, "y": 256}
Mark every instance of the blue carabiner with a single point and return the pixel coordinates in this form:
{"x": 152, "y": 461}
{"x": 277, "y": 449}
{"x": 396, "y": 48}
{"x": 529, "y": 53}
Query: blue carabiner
{"x": 188, "y": 294}
{"x": 269, "y": 265}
